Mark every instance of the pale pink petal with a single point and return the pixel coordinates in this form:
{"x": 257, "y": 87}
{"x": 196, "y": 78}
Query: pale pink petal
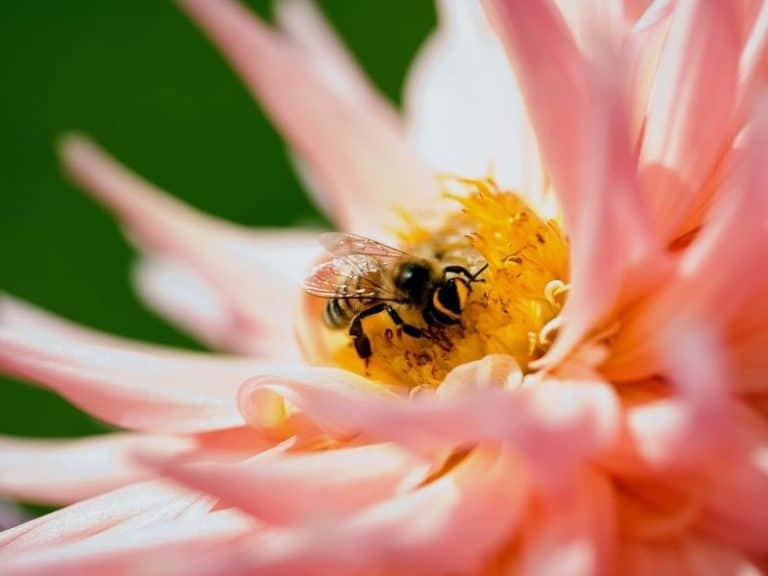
{"x": 689, "y": 116}
{"x": 240, "y": 268}
{"x": 463, "y": 107}
{"x": 133, "y": 385}
{"x": 293, "y": 489}
{"x": 64, "y": 471}
{"x": 573, "y": 535}
{"x": 361, "y": 162}
{"x": 120, "y": 512}
{"x": 643, "y": 48}
{"x": 305, "y": 25}
{"x": 555, "y": 423}
{"x": 166, "y": 547}
{"x": 184, "y": 298}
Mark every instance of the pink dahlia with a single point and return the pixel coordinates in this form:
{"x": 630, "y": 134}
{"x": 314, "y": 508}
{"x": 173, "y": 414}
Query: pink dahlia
{"x": 598, "y": 405}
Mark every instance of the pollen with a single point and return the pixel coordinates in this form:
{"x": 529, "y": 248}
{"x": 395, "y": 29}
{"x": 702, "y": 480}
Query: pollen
{"x": 511, "y": 309}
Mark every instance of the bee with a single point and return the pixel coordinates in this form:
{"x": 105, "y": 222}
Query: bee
{"x": 365, "y": 277}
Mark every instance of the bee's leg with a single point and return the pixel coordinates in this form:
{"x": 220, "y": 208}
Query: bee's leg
{"x": 410, "y": 329}
{"x": 359, "y": 339}
{"x": 362, "y": 342}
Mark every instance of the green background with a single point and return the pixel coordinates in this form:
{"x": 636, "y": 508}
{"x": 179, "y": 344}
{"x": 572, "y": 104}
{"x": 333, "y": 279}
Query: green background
{"x": 141, "y": 79}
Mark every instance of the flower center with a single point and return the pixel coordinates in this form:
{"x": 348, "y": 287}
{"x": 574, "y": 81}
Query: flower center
{"x": 508, "y": 308}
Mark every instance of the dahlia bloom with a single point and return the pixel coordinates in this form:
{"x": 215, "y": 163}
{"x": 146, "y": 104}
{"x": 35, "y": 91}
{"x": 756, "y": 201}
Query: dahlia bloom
{"x": 600, "y": 410}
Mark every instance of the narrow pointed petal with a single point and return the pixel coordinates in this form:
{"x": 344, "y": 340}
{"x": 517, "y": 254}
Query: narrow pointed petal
{"x": 463, "y": 107}
{"x": 541, "y": 421}
{"x": 138, "y": 386}
{"x": 304, "y": 24}
{"x": 119, "y": 512}
{"x": 752, "y": 67}
{"x": 288, "y": 489}
{"x": 690, "y": 111}
{"x": 240, "y": 268}
{"x": 65, "y": 471}
{"x": 362, "y": 164}
{"x": 171, "y": 546}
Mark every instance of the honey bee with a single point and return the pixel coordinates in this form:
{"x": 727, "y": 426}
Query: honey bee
{"x": 365, "y": 277}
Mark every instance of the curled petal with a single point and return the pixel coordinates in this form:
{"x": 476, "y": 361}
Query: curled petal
{"x": 238, "y": 270}
{"x": 288, "y": 489}
{"x": 361, "y": 162}
{"x": 65, "y": 471}
{"x": 127, "y": 384}
{"x": 689, "y": 118}
{"x": 453, "y": 524}
{"x": 555, "y": 423}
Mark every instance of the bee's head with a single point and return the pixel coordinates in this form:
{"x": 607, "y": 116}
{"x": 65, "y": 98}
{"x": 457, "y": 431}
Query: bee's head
{"x": 414, "y": 280}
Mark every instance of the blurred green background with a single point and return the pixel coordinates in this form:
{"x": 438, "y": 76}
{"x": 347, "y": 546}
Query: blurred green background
{"x": 138, "y": 77}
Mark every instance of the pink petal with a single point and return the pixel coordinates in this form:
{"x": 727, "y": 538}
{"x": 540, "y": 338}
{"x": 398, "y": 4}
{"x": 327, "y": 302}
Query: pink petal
{"x": 291, "y": 489}
{"x": 711, "y": 277}
{"x": 644, "y": 47}
{"x": 579, "y": 114}
{"x": 304, "y": 24}
{"x": 118, "y": 513}
{"x": 752, "y": 64}
{"x": 689, "y": 116}
{"x": 669, "y": 431}
{"x": 689, "y": 556}
{"x": 733, "y": 498}
{"x": 463, "y": 107}
{"x": 361, "y": 163}
{"x": 169, "y": 546}
{"x": 555, "y": 423}
{"x": 238, "y": 269}
{"x": 127, "y": 384}
{"x": 574, "y": 535}
{"x": 64, "y": 471}
{"x": 454, "y": 524}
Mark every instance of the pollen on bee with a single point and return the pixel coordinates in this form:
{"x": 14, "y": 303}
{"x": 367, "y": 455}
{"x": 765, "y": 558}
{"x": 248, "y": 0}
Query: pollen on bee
{"x": 511, "y": 307}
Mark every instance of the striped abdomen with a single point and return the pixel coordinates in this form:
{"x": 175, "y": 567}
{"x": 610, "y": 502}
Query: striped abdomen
{"x": 339, "y": 312}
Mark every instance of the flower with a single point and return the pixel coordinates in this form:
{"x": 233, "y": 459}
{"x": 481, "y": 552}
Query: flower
{"x": 630, "y": 437}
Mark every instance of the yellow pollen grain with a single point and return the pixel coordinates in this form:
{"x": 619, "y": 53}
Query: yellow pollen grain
{"x": 524, "y": 288}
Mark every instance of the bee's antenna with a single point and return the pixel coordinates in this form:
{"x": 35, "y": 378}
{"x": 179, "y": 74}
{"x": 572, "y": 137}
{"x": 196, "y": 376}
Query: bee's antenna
{"x": 476, "y": 274}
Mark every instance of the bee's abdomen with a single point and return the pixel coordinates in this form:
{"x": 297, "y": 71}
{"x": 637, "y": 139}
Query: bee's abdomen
{"x": 337, "y": 313}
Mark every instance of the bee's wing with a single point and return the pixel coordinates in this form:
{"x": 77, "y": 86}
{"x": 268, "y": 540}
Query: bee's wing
{"x": 351, "y": 276}
{"x": 342, "y": 244}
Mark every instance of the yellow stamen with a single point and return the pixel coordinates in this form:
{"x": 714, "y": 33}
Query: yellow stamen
{"x": 522, "y": 291}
